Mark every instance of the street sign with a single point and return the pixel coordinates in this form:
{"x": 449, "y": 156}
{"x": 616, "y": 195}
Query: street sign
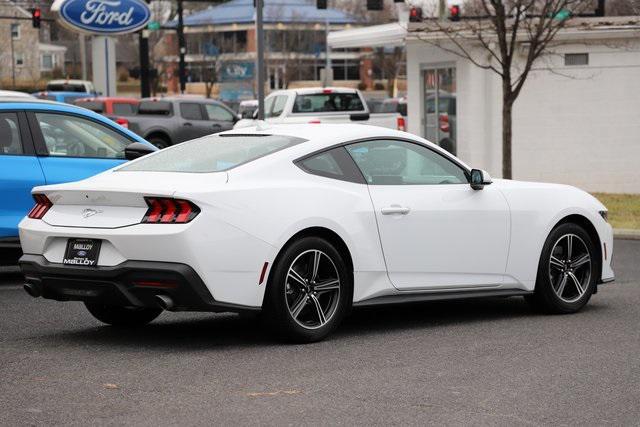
{"x": 105, "y": 17}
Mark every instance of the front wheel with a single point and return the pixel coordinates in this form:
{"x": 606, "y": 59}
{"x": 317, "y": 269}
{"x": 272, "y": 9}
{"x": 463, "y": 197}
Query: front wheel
{"x": 124, "y": 317}
{"x": 567, "y": 271}
{"x": 309, "y": 291}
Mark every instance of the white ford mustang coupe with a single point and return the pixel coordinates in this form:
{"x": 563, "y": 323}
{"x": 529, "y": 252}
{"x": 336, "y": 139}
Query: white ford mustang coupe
{"x": 303, "y": 222}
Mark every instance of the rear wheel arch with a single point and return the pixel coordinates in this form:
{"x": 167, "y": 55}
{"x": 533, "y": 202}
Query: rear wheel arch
{"x": 324, "y": 233}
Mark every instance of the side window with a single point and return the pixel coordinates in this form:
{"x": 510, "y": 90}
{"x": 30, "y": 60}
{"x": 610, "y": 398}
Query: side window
{"x": 73, "y": 136}
{"x": 334, "y": 163}
{"x": 216, "y": 112}
{"x": 392, "y": 162}
{"x": 190, "y": 111}
{"x": 278, "y": 107}
{"x": 123, "y": 109}
{"x": 10, "y": 142}
{"x": 268, "y": 104}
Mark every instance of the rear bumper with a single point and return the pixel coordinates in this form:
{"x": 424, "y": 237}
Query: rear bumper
{"x": 131, "y": 283}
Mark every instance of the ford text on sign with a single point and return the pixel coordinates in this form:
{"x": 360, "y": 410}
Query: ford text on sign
{"x": 105, "y": 16}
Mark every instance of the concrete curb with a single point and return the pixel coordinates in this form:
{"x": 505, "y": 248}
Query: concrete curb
{"x": 625, "y": 233}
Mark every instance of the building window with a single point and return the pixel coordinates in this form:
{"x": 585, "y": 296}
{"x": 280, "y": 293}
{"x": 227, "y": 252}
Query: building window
{"x": 572, "y": 59}
{"x": 19, "y": 57}
{"x": 47, "y": 62}
{"x": 15, "y": 31}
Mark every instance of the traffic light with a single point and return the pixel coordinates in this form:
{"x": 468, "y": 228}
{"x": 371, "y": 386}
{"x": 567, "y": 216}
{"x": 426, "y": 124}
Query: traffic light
{"x": 36, "y": 14}
{"x": 321, "y": 4}
{"x": 375, "y": 4}
{"x": 454, "y": 13}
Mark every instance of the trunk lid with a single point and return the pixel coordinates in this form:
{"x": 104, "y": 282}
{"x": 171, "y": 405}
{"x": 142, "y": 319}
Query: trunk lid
{"x": 116, "y": 199}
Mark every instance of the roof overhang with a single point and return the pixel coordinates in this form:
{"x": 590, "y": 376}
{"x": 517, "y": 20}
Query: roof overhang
{"x": 385, "y": 35}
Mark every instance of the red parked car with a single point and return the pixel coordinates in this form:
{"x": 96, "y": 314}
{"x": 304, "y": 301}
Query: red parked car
{"x": 117, "y": 109}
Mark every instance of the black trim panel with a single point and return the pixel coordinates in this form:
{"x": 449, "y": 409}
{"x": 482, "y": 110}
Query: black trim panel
{"x": 439, "y": 296}
{"x": 115, "y": 285}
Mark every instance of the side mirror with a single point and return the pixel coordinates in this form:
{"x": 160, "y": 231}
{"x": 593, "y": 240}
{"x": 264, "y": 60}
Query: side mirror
{"x": 137, "y": 149}
{"x": 479, "y": 179}
{"x": 359, "y": 117}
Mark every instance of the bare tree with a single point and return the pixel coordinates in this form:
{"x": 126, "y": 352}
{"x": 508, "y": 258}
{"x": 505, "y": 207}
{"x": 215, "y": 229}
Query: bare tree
{"x": 513, "y": 34}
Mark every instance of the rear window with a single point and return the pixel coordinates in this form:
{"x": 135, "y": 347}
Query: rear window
{"x": 66, "y": 87}
{"x": 327, "y": 102}
{"x": 214, "y": 153}
{"x": 124, "y": 109}
{"x": 162, "y": 108}
{"x": 98, "y": 107}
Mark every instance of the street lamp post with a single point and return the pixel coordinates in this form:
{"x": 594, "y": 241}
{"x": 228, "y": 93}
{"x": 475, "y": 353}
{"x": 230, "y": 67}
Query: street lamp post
{"x": 260, "y": 57}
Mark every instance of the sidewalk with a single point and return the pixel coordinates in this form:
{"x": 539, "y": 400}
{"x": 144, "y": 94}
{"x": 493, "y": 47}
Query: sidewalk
{"x": 626, "y": 233}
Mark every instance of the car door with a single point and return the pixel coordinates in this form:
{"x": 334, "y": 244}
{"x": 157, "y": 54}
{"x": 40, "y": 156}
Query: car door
{"x": 220, "y": 118}
{"x": 72, "y": 147}
{"x": 193, "y": 121}
{"x": 435, "y": 230}
{"x": 19, "y": 172}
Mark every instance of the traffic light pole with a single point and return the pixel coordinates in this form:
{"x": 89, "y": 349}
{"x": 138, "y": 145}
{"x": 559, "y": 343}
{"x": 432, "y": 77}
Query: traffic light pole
{"x": 260, "y": 58}
{"x": 182, "y": 49}
{"x": 145, "y": 90}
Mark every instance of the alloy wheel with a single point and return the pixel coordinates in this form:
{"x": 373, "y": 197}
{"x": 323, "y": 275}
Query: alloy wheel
{"x": 570, "y": 268}
{"x": 312, "y": 289}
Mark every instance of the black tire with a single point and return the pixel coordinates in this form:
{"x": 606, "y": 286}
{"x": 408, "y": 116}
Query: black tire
{"x": 159, "y": 141}
{"x": 545, "y": 297}
{"x": 283, "y": 292}
{"x": 122, "y": 317}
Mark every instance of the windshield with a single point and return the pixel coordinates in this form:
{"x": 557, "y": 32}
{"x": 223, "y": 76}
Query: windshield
{"x": 215, "y": 153}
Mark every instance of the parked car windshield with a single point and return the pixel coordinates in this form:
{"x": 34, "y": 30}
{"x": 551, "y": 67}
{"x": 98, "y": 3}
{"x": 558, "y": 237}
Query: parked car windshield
{"x": 95, "y": 106}
{"x": 327, "y": 102}
{"x": 213, "y": 153}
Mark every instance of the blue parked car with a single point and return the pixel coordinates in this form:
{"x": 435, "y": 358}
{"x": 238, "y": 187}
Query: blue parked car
{"x": 66, "y": 97}
{"x": 43, "y": 142}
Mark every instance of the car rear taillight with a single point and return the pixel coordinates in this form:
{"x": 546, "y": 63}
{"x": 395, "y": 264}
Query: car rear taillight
{"x": 43, "y": 204}
{"x": 444, "y": 122}
{"x": 122, "y": 122}
{"x": 314, "y": 122}
{"x": 165, "y": 210}
{"x": 401, "y": 125}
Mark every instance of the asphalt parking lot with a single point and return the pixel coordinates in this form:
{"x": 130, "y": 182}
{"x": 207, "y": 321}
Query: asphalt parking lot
{"x": 473, "y": 362}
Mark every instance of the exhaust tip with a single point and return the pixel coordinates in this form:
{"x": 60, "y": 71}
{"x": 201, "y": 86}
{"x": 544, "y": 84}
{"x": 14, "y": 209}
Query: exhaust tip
{"x": 33, "y": 290}
{"x": 164, "y": 302}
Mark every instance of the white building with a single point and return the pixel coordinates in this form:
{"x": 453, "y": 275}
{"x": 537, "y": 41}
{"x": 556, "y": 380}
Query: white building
{"x": 576, "y": 121}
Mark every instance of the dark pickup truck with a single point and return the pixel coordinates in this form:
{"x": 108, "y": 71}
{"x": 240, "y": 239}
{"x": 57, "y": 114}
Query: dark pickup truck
{"x": 171, "y": 120}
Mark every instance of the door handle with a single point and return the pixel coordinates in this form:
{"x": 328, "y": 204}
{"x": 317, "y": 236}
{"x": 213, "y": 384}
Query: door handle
{"x": 187, "y": 124}
{"x": 395, "y": 209}
{"x": 216, "y": 126}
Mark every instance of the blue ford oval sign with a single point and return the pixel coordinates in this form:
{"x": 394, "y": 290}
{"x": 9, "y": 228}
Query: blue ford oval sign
{"x": 105, "y": 16}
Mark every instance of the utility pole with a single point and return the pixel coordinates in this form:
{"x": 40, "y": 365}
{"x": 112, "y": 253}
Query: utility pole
{"x": 260, "y": 57}
{"x": 83, "y": 55}
{"x": 143, "y": 43}
{"x": 327, "y": 54}
{"x": 13, "y": 59}
{"x": 182, "y": 49}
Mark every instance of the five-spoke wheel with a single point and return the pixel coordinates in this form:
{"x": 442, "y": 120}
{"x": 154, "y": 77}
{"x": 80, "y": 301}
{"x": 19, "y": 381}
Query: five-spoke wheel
{"x": 567, "y": 270}
{"x": 309, "y": 290}
{"x": 312, "y": 289}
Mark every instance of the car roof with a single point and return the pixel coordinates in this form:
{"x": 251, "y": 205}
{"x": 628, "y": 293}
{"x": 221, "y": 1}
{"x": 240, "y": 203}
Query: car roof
{"x": 14, "y": 94}
{"x": 63, "y": 93}
{"x": 108, "y": 98}
{"x": 67, "y": 81}
{"x": 314, "y": 90}
{"x": 322, "y": 136}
